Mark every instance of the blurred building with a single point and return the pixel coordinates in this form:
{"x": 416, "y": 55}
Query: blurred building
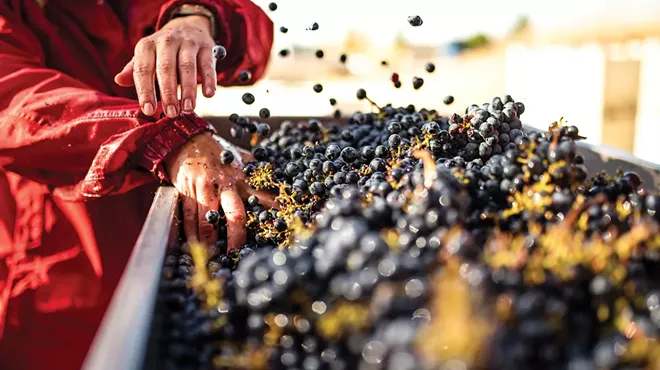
{"x": 601, "y": 73}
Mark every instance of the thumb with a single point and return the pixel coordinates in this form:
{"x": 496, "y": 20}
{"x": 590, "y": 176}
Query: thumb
{"x": 125, "y": 77}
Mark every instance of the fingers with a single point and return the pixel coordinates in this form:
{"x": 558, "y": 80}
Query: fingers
{"x": 207, "y": 71}
{"x": 166, "y": 73}
{"x": 125, "y": 77}
{"x": 206, "y": 200}
{"x": 235, "y": 215}
{"x": 188, "y": 74}
{"x": 190, "y": 218}
{"x": 144, "y": 64}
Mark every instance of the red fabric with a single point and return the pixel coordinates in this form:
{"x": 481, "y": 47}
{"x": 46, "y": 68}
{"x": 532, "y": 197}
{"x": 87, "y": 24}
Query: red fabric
{"x": 79, "y": 163}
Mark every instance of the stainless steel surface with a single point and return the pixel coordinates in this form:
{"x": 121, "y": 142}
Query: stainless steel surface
{"x": 121, "y": 342}
{"x": 604, "y": 158}
{"x": 599, "y": 158}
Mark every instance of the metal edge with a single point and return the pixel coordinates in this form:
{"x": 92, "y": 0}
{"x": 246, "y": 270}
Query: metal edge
{"x": 608, "y": 152}
{"x": 611, "y": 159}
{"x": 122, "y": 338}
{"x": 604, "y": 157}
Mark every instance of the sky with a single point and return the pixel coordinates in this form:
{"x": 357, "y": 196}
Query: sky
{"x": 445, "y": 20}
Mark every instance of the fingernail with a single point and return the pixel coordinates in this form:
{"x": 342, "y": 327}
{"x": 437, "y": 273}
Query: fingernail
{"x": 171, "y": 111}
{"x": 187, "y": 105}
{"x": 148, "y": 109}
{"x": 209, "y": 91}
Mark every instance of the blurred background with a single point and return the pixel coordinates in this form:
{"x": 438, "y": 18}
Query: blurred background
{"x": 594, "y": 62}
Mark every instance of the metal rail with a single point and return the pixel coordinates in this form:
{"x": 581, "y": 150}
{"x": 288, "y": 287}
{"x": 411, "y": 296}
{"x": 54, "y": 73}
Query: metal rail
{"x": 606, "y": 158}
{"x": 122, "y": 339}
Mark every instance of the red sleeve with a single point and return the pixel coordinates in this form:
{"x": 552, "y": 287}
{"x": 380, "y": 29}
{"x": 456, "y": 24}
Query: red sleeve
{"x": 243, "y": 29}
{"x": 60, "y": 132}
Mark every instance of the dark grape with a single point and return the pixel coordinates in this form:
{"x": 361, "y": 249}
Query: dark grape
{"x": 219, "y": 52}
{"x": 248, "y": 98}
{"x": 244, "y": 76}
{"x": 236, "y": 131}
{"x": 401, "y": 224}
{"x": 226, "y": 157}
{"x": 212, "y": 216}
{"x": 263, "y": 129}
{"x": 417, "y": 82}
{"x": 264, "y": 113}
{"x": 415, "y": 20}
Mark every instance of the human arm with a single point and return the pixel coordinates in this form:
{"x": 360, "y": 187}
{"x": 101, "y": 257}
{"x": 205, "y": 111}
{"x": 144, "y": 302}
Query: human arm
{"x": 203, "y": 182}
{"x": 58, "y": 131}
{"x": 80, "y": 142}
{"x": 183, "y": 46}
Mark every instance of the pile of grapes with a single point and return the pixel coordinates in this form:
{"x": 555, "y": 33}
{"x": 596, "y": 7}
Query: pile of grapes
{"x": 407, "y": 240}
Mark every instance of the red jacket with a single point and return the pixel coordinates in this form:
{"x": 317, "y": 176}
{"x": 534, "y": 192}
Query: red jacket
{"x": 78, "y": 161}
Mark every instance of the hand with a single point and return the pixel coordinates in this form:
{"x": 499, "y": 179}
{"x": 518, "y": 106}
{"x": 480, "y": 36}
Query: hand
{"x": 184, "y": 47}
{"x": 205, "y": 183}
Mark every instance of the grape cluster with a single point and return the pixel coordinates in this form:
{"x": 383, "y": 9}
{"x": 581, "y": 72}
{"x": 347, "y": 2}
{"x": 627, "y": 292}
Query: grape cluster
{"x": 409, "y": 240}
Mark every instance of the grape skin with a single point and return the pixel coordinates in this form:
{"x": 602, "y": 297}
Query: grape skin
{"x": 349, "y": 186}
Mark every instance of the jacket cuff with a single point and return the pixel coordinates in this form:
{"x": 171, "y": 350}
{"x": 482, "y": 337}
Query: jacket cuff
{"x": 174, "y": 134}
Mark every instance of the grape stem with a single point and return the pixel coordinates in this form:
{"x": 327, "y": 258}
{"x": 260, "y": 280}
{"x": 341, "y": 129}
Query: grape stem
{"x": 374, "y": 103}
